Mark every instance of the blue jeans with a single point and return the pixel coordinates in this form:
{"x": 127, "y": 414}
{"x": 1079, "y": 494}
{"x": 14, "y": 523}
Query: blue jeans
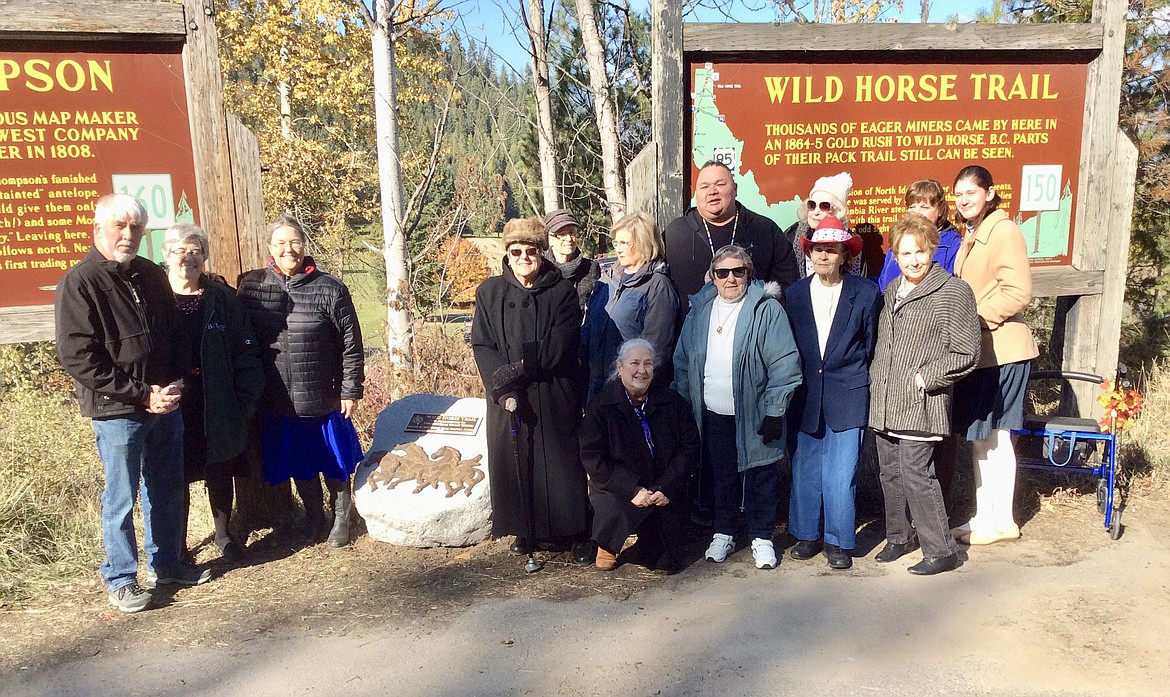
{"x": 824, "y": 477}
{"x": 144, "y": 449}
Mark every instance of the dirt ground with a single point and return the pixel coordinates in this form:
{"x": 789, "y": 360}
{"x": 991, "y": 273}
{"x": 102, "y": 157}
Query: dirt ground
{"x": 283, "y": 595}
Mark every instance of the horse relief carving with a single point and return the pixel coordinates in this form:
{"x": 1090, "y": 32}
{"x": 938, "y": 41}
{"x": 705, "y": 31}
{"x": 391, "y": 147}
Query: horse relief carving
{"x": 408, "y": 461}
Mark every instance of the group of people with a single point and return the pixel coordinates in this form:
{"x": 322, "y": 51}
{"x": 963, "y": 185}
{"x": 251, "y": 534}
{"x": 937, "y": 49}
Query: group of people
{"x": 706, "y": 357}
{"x": 180, "y": 373}
{"x": 683, "y": 375}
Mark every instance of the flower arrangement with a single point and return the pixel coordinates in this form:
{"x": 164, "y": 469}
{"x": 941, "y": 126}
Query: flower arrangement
{"x": 1122, "y": 406}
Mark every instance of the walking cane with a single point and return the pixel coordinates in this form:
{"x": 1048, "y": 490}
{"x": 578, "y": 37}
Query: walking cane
{"x": 531, "y": 566}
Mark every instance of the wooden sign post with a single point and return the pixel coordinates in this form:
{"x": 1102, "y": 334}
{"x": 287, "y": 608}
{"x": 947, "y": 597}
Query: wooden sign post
{"x": 1037, "y": 104}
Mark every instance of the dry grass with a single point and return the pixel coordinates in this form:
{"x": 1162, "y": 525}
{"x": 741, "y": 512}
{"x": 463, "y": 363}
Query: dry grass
{"x": 1146, "y": 447}
{"x": 50, "y": 495}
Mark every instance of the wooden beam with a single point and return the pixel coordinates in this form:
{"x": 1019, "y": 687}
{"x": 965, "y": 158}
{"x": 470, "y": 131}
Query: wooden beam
{"x": 642, "y": 182}
{"x": 1125, "y": 155}
{"x": 668, "y": 88}
{"x": 1094, "y": 221}
{"x": 249, "y": 196}
{"x": 856, "y": 38}
{"x": 1058, "y": 281}
{"x": 92, "y": 20}
{"x": 21, "y": 324}
{"x": 209, "y": 139}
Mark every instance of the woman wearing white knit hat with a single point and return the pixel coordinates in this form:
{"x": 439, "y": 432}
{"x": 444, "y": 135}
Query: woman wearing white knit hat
{"x": 829, "y": 196}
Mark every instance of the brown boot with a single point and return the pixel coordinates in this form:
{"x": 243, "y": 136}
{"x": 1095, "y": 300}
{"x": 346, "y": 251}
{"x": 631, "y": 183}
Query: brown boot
{"x": 605, "y": 561}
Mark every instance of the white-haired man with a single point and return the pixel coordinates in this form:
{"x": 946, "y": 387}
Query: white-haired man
{"x": 115, "y": 337}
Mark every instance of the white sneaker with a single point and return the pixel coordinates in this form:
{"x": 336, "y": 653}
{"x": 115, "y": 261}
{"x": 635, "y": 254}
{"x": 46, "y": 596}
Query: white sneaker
{"x": 721, "y": 545}
{"x": 764, "y": 553}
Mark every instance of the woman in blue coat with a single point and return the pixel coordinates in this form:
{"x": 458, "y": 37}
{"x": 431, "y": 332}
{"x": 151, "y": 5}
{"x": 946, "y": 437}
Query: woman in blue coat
{"x": 634, "y": 299}
{"x": 834, "y": 318}
{"x": 737, "y": 365}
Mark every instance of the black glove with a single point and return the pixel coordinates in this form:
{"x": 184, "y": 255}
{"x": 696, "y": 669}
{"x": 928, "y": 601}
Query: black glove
{"x": 507, "y": 377}
{"x": 508, "y": 402}
{"x": 772, "y": 428}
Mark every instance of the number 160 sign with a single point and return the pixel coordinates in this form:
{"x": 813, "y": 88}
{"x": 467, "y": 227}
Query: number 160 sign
{"x": 154, "y": 192}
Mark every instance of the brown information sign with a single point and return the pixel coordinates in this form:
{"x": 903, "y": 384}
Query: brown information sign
{"x": 780, "y": 126}
{"x": 75, "y": 125}
{"x": 439, "y": 423}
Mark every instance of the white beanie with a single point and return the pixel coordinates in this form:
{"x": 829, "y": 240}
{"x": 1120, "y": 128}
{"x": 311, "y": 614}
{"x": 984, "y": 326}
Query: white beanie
{"x": 836, "y": 186}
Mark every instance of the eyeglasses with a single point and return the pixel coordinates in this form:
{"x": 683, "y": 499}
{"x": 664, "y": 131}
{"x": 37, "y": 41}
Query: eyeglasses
{"x": 564, "y": 233}
{"x": 193, "y": 252}
{"x": 738, "y": 272}
{"x": 517, "y": 252}
{"x": 294, "y": 244}
{"x": 823, "y": 205}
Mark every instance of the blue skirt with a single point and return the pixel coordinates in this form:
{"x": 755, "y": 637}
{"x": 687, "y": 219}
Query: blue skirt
{"x": 302, "y": 447}
{"x": 990, "y": 398}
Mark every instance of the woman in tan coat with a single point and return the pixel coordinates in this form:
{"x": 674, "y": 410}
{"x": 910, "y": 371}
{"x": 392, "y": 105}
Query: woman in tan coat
{"x": 990, "y": 402}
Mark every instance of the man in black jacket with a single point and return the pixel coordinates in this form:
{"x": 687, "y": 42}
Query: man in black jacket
{"x": 115, "y": 337}
{"x": 717, "y": 220}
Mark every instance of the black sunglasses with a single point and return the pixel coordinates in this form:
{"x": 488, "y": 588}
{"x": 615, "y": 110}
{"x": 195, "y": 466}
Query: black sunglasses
{"x": 739, "y": 272}
{"x": 527, "y": 251}
{"x": 823, "y": 205}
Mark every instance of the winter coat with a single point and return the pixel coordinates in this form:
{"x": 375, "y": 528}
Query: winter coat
{"x": 310, "y": 340}
{"x": 581, "y": 271}
{"x": 231, "y": 372}
{"x": 933, "y": 331}
{"x": 508, "y": 316}
{"x": 835, "y": 392}
{"x": 615, "y": 454}
{"x": 997, "y": 270}
{"x": 116, "y": 333}
{"x": 645, "y": 305}
{"x": 949, "y": 241}
{"x": 793, "y": 233}
{"x": 764, "y": 362}
{"x": 688, "y": 251}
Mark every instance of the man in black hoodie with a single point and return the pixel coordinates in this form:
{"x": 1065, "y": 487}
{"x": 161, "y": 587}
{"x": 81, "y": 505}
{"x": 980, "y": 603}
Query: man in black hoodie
{"x": 717, "y": 220}
{"x": 115, "y": 337}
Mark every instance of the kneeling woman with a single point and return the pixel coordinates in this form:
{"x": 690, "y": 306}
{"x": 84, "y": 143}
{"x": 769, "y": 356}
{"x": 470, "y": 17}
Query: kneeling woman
{"x": 639, "y": 445}
{"x": 928, "y": 338}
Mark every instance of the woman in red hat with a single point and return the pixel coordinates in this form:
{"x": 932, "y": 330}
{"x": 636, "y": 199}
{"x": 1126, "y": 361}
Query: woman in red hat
{"x": 834, "y": 317}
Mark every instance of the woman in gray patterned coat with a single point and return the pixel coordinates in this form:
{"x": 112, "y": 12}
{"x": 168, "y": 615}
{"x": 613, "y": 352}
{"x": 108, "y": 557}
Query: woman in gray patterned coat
{"x": 928, "y": 338}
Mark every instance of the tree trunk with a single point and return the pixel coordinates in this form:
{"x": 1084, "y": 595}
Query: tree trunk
{"x": 548, "y": 159}
{"x": 399, "y": 334}
{"x": 925, "y": 11}
{"x": 603, "y": 110}
{"x": 285, "y": 101}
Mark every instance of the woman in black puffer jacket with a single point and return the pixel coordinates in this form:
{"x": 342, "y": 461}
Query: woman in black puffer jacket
{"x": 311, "y": 346}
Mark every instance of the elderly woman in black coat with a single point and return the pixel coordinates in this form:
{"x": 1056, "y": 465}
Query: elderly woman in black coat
{"x": 224, "y": 381}
{"x": 524, "y": 338}
{"x": 928, "y": 338}
{"x": 640, "y": 446}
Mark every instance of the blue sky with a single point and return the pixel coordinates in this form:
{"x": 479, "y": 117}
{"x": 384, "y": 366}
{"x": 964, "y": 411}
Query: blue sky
{"x": 497, "y": 21}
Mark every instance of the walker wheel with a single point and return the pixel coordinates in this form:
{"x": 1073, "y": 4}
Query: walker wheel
{"x": 1102, "y": 489}
{"x": 1115, "y": 528}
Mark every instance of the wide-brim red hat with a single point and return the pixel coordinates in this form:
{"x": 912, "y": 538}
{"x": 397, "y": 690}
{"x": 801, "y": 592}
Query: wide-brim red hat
{"x": 831, "y": 230}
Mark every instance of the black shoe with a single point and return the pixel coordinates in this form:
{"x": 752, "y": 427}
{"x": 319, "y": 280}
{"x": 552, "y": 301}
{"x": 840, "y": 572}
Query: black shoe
{"x": 930, "y": 566}
{"x": 520, "y": 546}
{"x": 894, "y": 551}
{"x": 804, "y": 550}
{"x": 232, "y": 551}
{"x": 838, "y": 558}
{"x": 583, "y": 553}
